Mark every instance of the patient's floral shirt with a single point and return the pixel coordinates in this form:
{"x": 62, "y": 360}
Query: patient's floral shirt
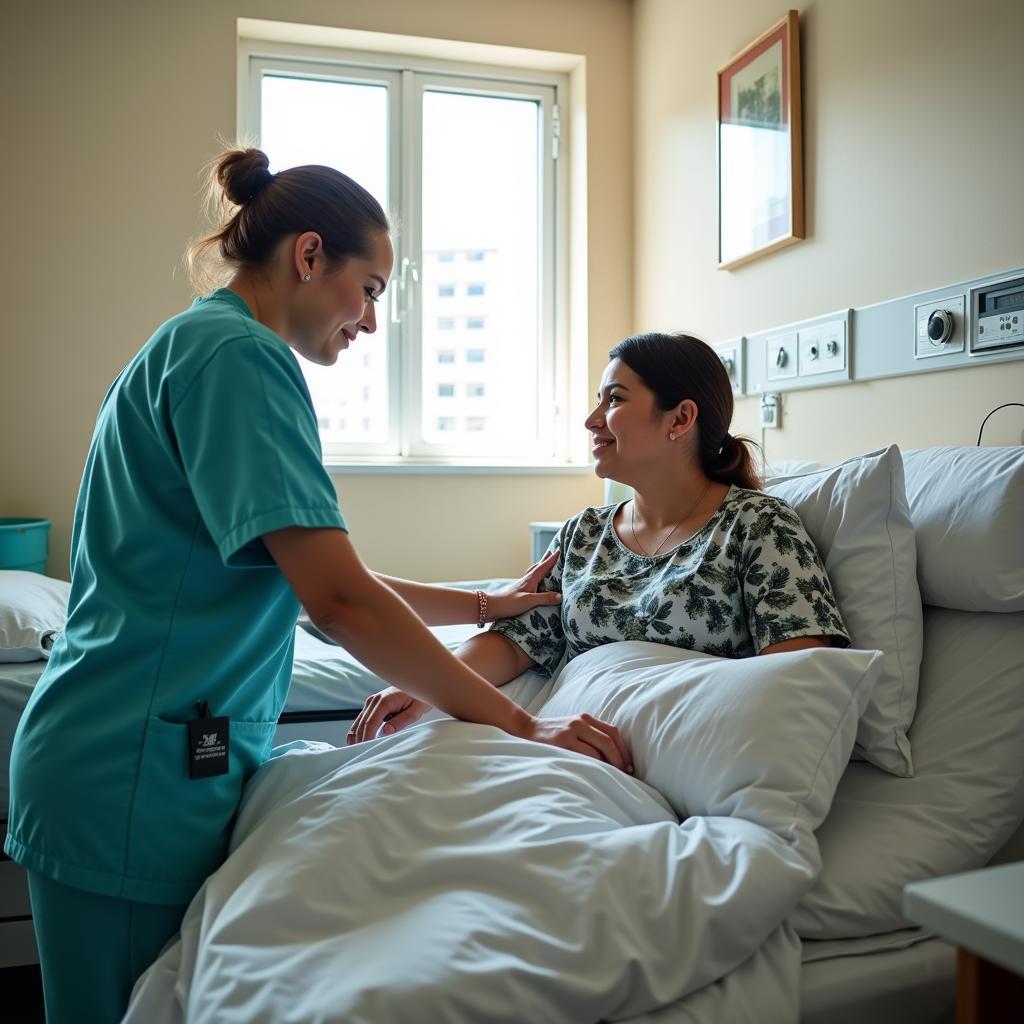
{"x": 749, "y": 578}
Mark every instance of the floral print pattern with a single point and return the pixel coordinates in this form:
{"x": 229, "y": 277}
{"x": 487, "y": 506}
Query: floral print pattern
{"x": 749, "y": 578}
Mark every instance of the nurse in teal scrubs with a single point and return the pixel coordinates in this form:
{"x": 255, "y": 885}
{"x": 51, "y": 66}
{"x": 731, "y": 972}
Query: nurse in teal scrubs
{"x": 205, "y": 517}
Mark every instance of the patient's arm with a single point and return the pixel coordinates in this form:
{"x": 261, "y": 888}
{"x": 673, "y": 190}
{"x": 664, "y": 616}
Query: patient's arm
{"x": 800, "y": 643}
{"x": 495, "y": 657}
{"x": 490, "y": 655}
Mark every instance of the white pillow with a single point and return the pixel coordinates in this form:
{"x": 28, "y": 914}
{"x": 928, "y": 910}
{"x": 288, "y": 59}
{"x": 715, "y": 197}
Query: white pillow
{"x": 33, "y": 610}
{"x": 967, "y": 795}
{"x": 856, "y": 513}
{"x": 764, "y": 738}
{"x": 967, "y": 506}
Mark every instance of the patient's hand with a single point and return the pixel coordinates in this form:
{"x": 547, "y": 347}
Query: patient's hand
{"x": 523, "y": 595}
{"x": 390, "y": 708}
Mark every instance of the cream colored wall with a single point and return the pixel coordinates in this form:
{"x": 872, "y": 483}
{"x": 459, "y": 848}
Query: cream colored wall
{"x": 110, "y": 109}
{"x": 913, "y": 146}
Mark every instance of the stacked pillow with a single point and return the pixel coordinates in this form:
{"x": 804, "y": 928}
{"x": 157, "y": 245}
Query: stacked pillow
{"x": 857, "y": 515}
{"x": 967, "y": 505}
{"x": 33, "y": 610}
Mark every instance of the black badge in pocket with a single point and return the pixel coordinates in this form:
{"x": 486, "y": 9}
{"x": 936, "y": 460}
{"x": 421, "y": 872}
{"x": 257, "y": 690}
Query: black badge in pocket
{"x": 207, "y": 744}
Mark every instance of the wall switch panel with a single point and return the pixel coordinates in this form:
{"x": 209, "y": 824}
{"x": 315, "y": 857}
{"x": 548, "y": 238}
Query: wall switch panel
{"x": 781, "y": 357}
{"x": 731, "y": 353}
{"x": 805, "y": 355}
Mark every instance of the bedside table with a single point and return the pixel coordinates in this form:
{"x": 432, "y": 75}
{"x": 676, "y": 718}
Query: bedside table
{"x": 982, "y": 912}
{"x": 541, "y": 534}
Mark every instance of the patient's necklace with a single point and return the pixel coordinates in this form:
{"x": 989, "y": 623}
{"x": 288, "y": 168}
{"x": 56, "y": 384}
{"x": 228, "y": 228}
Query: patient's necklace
{"x": 664, "y": 541}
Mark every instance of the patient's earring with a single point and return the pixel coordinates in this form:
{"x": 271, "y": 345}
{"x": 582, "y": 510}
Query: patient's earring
{"x": 306, "y": 278}
{"x": 671, "y": 437}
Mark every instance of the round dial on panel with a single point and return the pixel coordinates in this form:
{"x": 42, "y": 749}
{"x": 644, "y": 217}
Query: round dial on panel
{"x": 940, "y": 326}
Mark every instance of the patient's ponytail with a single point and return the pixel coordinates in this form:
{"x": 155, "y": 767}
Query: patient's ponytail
{"x": 677, "y": 367}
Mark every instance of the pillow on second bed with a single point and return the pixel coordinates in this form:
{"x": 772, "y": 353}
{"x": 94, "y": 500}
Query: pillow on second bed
{"x": 762, "y": 738}
{"x": 33, "y": 610}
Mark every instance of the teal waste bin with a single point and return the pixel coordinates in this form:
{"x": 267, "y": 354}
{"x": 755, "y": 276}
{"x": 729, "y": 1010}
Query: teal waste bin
{"x": 24, "y": 544}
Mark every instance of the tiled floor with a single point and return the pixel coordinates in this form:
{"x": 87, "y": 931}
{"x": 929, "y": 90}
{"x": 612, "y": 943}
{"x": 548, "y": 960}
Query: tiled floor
{"x": 22, "y": 995}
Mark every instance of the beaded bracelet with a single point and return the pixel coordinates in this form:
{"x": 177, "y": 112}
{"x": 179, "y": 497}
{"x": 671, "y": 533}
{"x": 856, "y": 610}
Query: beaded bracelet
{"x": 481, "y": 618}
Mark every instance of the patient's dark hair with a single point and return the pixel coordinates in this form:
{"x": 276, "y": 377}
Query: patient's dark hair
{"x": 257, "y": 209}
{"x": 677, "y": 367}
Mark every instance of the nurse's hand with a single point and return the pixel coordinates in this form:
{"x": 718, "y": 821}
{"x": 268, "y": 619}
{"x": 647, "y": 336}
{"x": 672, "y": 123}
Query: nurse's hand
{"x": 522, "y": 595}
{"x": 390, "y": 708}
{"x": 586, "y": 735}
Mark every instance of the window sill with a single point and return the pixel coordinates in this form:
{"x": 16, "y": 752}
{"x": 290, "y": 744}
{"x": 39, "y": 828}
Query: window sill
{"x": 383, "y": 465}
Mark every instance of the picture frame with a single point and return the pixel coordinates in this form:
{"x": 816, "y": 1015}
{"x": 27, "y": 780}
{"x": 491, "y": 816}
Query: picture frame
{"x": 760, "y": 151}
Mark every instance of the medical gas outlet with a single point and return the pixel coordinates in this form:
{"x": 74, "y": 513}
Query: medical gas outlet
{"x": 939, "y": 327}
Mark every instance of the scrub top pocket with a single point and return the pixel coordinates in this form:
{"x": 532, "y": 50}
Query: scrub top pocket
{"x": 179, "y": 827}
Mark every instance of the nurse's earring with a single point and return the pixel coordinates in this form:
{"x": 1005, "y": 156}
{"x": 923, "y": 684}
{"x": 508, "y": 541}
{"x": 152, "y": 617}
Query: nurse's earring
{"x": 306, "y": 278}
{"x": 671, "y": 437}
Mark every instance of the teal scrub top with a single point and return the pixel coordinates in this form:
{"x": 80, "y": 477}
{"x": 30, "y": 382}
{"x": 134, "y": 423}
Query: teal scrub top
{"x": 205, "y": 441}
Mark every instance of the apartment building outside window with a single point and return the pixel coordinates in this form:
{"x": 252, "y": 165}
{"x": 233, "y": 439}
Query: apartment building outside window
{"x": 474, "y": 292}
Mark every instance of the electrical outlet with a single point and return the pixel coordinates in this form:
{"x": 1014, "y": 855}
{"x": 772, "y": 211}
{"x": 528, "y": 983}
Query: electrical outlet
{"x": 823, "y": 348}
{"x": 771, "y": 411}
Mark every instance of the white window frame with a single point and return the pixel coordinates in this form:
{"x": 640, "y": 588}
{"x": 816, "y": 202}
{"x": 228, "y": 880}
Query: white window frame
{"x": 406, "y": 77}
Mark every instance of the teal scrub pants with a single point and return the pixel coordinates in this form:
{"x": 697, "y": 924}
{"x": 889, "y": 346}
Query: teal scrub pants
{"x": 93, "y": 948}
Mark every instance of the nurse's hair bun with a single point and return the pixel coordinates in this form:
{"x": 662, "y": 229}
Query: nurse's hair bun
{"x": 243, "y": 174}
{"x": 252, "y": 220}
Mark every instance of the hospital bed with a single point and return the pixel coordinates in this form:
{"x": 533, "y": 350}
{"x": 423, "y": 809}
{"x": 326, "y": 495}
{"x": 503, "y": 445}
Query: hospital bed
{"x": 962, "y": 808}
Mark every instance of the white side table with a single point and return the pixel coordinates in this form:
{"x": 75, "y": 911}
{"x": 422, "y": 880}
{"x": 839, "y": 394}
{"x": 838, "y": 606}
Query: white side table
{"x": 541, "y": 533}
{"x": 981, "y": 912}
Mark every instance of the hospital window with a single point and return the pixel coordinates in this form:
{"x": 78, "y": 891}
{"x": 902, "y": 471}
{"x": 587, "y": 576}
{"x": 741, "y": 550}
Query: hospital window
{"x": 445, "y": 390}
{"x": 475, "y": 390}
{"x": 469, "y": 156}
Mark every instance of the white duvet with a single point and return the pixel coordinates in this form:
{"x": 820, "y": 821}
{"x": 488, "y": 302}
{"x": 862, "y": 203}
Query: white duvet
{"x": 454, "y": 874}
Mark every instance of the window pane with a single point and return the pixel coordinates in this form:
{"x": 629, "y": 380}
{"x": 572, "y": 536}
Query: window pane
{"x": 481, "y": 217}
{"x": 342, "y": 125}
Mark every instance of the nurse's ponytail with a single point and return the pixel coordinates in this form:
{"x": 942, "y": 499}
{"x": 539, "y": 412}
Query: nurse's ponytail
{"x": 257, "y": 209}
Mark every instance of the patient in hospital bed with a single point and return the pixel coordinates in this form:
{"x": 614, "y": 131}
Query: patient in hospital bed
{"x": 699, "y": 558}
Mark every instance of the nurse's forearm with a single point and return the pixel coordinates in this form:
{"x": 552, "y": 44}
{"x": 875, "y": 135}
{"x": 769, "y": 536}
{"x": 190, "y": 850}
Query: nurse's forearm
{"x": 386, "y": 636}
{"x": 436, "y": 606}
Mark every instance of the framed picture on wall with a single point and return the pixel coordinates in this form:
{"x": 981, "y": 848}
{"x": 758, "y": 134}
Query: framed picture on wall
{"x": 760, "y": 157}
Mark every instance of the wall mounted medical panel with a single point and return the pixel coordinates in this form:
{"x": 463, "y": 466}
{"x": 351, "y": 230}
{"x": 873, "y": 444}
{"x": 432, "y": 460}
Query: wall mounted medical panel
{"x": 807, "y": 354}
{"x": 890, "y": 342}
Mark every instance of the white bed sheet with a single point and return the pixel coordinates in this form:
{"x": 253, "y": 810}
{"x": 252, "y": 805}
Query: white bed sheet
{"x": 880, "y": 979}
